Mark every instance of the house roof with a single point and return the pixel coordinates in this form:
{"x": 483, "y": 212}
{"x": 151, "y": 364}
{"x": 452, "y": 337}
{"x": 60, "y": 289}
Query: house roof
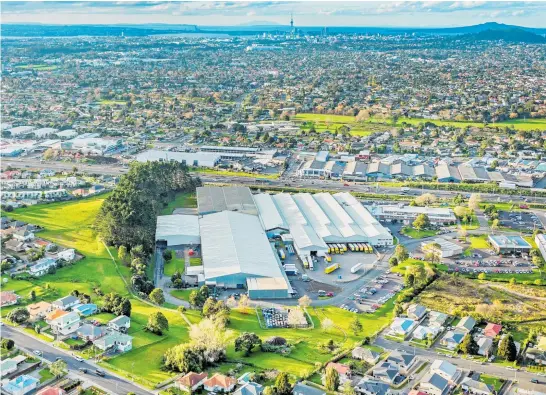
{"x": 191, "y": 379}
{"x": 435, "y": 380}
{"x": 51, "y": 391}
{"x": 112, "y": 338}
{"x": 20, "y": 382}
{"x": 401, "y": 358}
{"x": 365, "y": 353}
{"x": 220, "y": 380}
{"x": 373, "y": 386}
{"x": 38, "y": 307}
{"x": 303, "y": 389}
{"x": 66, "y": 300}
{"x": 122, "y": 320}
{"x": 417, "y": 309}
{"x": 250, "y": 389}
{"x": 90, "y": 330}
{"x": 471, "y": 383}
{"x": 341, "y": 368}
{"x": 492, "y": 330}
{"x": 444, "y": 367}
{"x": 56, "y": 314}
{"x": 7, "y": 297}
{"x": 467, "y": 323}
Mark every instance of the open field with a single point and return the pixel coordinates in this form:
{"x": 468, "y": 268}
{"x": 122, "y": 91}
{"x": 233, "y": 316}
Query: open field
{"x": 176, "y": 264}
{"x": 37, "y": 67}
{"x": 105, "y": 102}
{"x": 335, "y": 121}
{"x": 417, "y": 234}
{"x": 460, "y": 296}
{"x": 183, "y": 199}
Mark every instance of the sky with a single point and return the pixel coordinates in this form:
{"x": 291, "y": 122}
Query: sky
{"x": 306, "y": 13}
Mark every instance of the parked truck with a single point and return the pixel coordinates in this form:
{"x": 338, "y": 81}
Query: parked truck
{"x": 357, "y": 267}
{"x": 331, "y": 268}
{"x": 282, "y": 255}
{"x": 291, "y": 270}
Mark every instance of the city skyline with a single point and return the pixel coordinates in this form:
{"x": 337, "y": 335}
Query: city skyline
{"x": 373, "y": 14}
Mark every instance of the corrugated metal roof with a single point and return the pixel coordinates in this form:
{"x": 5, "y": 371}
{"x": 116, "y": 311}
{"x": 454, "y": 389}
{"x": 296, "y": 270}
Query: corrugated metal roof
{"x": 268, "y": 212}
{"x": 177, "y": 229}
{"x": 361, "y": 215}
{"x": 216, "y": 199}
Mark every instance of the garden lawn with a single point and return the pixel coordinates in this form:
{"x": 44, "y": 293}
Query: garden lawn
{"x": 176, "y": 264}
{"x": 418, "y": 234}
{"x": 182, "y": 199}
{"x": 492, "y": 380}
{"x": 182, "y": 294}
{"x": 479, "y": 242}
{"x": 45, "y": 375}
{"x": 196, "y": 261}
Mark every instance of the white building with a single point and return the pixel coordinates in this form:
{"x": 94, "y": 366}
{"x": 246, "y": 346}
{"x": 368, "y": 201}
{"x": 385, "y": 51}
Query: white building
{"x": 178, "y": 230}
{"x": 407, "y": 214}
{"x": 447, "y": 248}
{"x": 541, "y": 244}
{"x": 192, "y": 159}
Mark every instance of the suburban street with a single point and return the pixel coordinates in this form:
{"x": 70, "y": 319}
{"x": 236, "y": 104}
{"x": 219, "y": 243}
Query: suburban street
{"x": 523, "y": 377}
{"x": 110, "y": 382}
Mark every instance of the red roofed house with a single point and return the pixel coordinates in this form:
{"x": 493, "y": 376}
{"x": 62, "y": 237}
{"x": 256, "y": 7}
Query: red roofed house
{"x": 416, "y": 392}
{"x": 492, "y": 330}
{"x": 191, "y": 381}
{"x": 51, "y": 391}
{"x": 220, "y": 383}
{"x": 8, "y": 298}
{"x": 344, "y": 371}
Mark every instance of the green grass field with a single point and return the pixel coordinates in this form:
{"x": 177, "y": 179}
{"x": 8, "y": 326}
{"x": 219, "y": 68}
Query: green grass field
{"x": 177, "y": 264}
{"x": 45, "y": 375}
{"x": 417, "y": 234}
{"x": 332, "y": 120}
{"x": 105, "y": 102}
{"x": 183, "y": 199}
{"x": 479, "y": 242}
{"x": 37, "y": 67}
{"x": 182, "y": 294}
{"x": 495, "y": 382}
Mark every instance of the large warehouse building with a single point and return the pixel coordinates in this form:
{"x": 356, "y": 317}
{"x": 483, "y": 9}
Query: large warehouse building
{"x": 235, "y": 226}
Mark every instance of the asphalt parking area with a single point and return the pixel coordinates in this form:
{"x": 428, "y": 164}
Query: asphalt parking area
{"x": 373, "y": 294}
{"x": 520, "y": 220}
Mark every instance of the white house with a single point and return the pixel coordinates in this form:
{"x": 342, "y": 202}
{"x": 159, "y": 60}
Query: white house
{"x": 114, "y": 340}
{"x": 66, "y": 324}
{"x": 67, "y": 255}
{"x": 42, "y": 266}
{"x": 403, "y": 326}
{"x": 121, "y": 323}
{"x": 446, "y": 370}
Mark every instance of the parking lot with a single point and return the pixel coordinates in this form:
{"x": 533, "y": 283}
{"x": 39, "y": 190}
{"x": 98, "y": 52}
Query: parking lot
{"x": 520, "y": 220}
{"x": 373, "y": 294}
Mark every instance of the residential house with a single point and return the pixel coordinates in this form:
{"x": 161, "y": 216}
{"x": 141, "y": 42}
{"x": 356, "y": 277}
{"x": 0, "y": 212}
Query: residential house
{"x": 476, "y": 387}
{"x": 416, "y": 311}
{"x": 4, "y": 222}
{"x": 492, "y": 330}
{"x": 38, "y": 310}
{"x": 46, "y": 245}
{"x": 85, "y": 309}
{"x": 191, "y": 381}
{"x": 67, "y": 255}
{"x": 21, "y": 385}
{"x": 404, "y": 361}
{"x": 90, "y": 332}
{"x": 485, "y": 345}
{"x": 437, "y": 319}
{"x": 121, "y": 323}
{"x": 66, "y": 303}
{"x": 423, "y": 332}
{"x": 54, "y": 314}
{"x": 445, "y": 369}
{"x": 402, "y": 326}
{"x": 536, "y": 355}
{"x": 453, "y": 338}
{"x": 15, "y": 245}
{"x": 387, "y": 372}
{"x": 466, "y": 324}
{"x": 8, "y": 366}
{"x": 114, "y": 340}
{"x": 344, "y": 371}
{"x": 42, "y": 266}
{"x": 250, "y": 389}
{"x": 51, "y": 391}
{"x": 369, "y": 386}
{"x": 304, "y": 389}
{"x": 434, "y": 384}
{"x": 23, "y": 235}
{"x": 66, "y": 323}
{"x": 365, "y": 354}
{"x": 219, "y": 383}
{"x": 8, "y": 298}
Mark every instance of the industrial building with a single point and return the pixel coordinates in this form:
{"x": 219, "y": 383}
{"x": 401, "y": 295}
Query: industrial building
{"x": 447, "y": 248}
{"x": 195, "y": 159}
{"x": 508, "y": 245}
{"x": 234, "y": 229}
{"x": 541, "y": 244}
{"x": 407, "y": 214}
{"x": 93, "y": 143}
{"x": 175, "y": 231}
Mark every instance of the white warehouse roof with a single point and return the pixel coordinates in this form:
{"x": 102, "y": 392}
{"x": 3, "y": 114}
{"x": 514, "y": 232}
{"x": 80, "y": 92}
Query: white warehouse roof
{"x": 269, "y": 215}
{"x": 204, "y": 159}
{"x": 178, "y": 229}
{"x": 361, "y": 215}
{"x": 236, "y": 244}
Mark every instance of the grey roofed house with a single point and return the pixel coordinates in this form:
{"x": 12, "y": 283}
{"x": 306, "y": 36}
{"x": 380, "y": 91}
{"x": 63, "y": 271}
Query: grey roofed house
{"x": 402, "y": 359}
{"x": 467, "y": 323}
{"x": 368, "y": 386}
{"x": 216, "y": 199}
{"x": 250, "y": 388}
{"x": 304, "y": 389}
{"x": 90, "y": 332}
{"x": 366, "y": 355}
{"x": 121, "y": 321}
{"x": 66, "y": 301}
{"x": 475, "y": 386}
{"x": 484, "y": 344}
{"x": 416, "y": 311}
{"x": 435, "y": 318}
{"x": 386, "y": 372}
{"x": 436, "y": 382}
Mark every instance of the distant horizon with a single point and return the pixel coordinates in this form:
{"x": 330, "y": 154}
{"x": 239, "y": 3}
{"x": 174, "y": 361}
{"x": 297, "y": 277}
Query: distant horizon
{"x": 385, "y": 14}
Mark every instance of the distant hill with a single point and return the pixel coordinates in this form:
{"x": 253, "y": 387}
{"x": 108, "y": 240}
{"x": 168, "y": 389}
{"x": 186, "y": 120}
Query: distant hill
{"x": 509, "y": 34}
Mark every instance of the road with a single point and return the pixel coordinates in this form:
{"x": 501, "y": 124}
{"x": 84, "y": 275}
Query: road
{"x": 34, "y": 163}
{"x": 112, "y": 383}
{"x": 523, "y": 377}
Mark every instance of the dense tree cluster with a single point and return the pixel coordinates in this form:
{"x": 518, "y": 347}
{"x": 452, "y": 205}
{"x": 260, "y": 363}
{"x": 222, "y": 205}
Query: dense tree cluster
{"x": 116, "y": 304}
{"x": 128, "y": 216}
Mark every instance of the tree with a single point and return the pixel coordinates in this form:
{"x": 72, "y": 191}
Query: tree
{"x": 469, "y": 345}
{"x": 409, "y": 280}
{"x": 19, "y": 315}
{"x": 426, "y": 199}
{"x": 401, "y": 253}
{"x": 32, "y": 295}
{"x": 433, "y": 252}
{"x": 212, "y": 337}
{"x": 474, "y": 201}
{"x": 296, "y": 317}
{"x": 331, "y": 379}
{"x": 185, "y": 358}
{"x": 282, "y": 384}
{"x": 195, "y": 299}
{"x": 122, "y": 253}
{"x": 482, "y": 276}
{"x": 326, "y": 324}
{"x": 246, "y": 342}
{"x": 157, "y": 323}
{"x": 304, "y": 301}
{"x": 7, "y": 344}
{"x": 58, "y": 368}
{"x": 393, "y": 261}
{"x": 244, "y": 302}
{"x": 217, "y": 310}
{"x": 116, "y": 304}
{"x": 168, "y": 255}
{"x": 348, "y": 388}
{"x": 494, "y": 225}
{"x": 421, "y": 222}
{"x": 462, "y": 233}
{"x": 157, "y": 297}
{"x": 268, "y": 391}
{"x": 507, "y": 348}
{"x": 356, "y": 326}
